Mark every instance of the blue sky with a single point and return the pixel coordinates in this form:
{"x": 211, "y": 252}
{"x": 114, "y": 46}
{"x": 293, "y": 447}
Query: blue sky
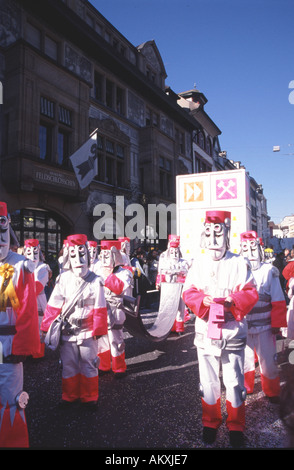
{"x": 240, "y": 54}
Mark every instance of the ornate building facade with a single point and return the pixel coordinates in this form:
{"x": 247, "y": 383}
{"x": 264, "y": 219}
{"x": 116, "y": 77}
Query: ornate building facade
{"x": 67, "y": 71}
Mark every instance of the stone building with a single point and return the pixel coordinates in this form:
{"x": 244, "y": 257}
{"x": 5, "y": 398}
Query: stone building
{"x": 67, "y": 71}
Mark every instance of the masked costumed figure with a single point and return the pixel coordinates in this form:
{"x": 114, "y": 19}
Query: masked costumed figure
{"x": 81, "y": 292}
{"x": 220, "y": 291}
{"x": 118, "y": 282}
{"x": 32, "y": 251}
{"x": 264, "y": 320}
{"x": 125, "y": 250}
{"x": 19, "y": 336}
{"x": 173, "y": 268}
{"x": 63, "y": 257}
{"x": 93, "y": 252}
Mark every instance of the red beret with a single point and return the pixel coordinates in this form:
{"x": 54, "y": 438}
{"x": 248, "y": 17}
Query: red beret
{"x": 3, "y": 209}
{"x": 32, "y": 242}
{"x": 217, "y": 217}
{"x": 250, "y": 235}
{"x": 174, "y": 240}
{"x": 78, "y": 239}
{"x": 107, "y": 244}
{"x": 92, "y": 243}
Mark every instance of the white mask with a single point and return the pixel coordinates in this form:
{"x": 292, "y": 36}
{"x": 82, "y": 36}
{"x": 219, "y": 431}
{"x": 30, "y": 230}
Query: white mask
{"x": 106, "y": 258}
{"x": 33, "y": 253}
{"x": 174, "y": 253}
{"x": 78, "y": 257}
{"x": 92, "y": 253}
{"x": 126, "y": 247}
{"x": 4, "y": 237}
{"x": 250, "y": 250}
{"x": 216, "y": 238}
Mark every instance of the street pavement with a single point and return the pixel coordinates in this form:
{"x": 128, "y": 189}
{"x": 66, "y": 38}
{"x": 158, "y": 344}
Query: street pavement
{"x": 155, "y": 407}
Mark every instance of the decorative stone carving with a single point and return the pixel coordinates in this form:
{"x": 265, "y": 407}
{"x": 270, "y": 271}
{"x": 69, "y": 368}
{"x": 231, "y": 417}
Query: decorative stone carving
{"x": 10, "y": 22}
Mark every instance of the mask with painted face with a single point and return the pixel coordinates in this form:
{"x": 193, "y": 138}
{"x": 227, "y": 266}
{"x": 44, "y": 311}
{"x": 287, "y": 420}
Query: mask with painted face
{"x": 251, "y": 249}
{"x": 78, "y": 254}
{"x": 174, "y": 253}
{"x": 32, "y": 250}
{"x": 92, "y": 248}
{"x": 4, "y": 231}
{"x": 174, "y": 247}
{"x": 216, "y": 233}
{"x": 125, "y": 245}
{"x": 110, "y": 255}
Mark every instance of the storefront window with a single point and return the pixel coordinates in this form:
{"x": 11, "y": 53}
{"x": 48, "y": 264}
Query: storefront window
{"x": 30, "y": 223}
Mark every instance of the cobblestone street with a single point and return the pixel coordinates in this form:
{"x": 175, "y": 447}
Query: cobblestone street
{"x": 155, "y": 407}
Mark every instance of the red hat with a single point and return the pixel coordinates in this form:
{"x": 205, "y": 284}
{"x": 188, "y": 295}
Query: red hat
{"x": 3, "y": 209}
{"x": 123, "y": 239}
{"x": 107, "y": 244}
{"x": 92, "y": 243}
{"x": 78, "y": 239}
{"x": 250, "y": 235}
{"x": 174, "y": 240}
{"x": 32, "y": 242}
{"x": 217, "y": 217}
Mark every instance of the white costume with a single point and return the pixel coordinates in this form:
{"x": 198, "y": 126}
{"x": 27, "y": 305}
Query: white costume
{"x": 118, "y": 281}
{"x": 94, "y": 260}
{"x": 19, "y": 336}
{"x": 125, "y": 250}
{"x": 86, "y": 321}
{"x": 32, "y": 251}
{"x": 269, "y": 313}
{"x": 173, "y": 268}
{"x": 219, "y": 290}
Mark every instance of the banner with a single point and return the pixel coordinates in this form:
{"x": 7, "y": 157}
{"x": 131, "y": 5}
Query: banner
{"x": 84, "y": 161}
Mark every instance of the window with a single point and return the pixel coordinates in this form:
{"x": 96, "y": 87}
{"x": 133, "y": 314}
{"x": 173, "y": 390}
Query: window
{"x": 208, "y": 146}
{"x": 180, "y": 140}
{"x": 151, "y": 118}
{"x": 62, "y": 147}
{"x": 200, "y": 140}
{"x": 33, "y": 35}
{"x": 148, "y": 117}
{"x": 29, "y": 223}
{"x": 200, "y": 165}
{"x": 109, "y": 94}
{"x": 155, "y": 119}
{"x": 45, "y": 141}
{"x": 120, "y": 100}
{"x": 47, "y": 108}
{"x": 54, "y": 132}
{"x": 111, "y": 162}
{"x": 51, "y": 48}
{"x": 165, "y": 176}
{"x": 41, "y": 41}
{"x": 65, "y": 116}
{"x": 98, "y": 86}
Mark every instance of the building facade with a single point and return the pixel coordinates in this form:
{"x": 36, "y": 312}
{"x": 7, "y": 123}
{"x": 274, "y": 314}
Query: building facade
{"x": 65, "y": 72}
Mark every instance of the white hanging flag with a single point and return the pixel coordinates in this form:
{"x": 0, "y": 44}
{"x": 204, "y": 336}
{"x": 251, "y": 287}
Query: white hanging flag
{"x": 85, "y": 162}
